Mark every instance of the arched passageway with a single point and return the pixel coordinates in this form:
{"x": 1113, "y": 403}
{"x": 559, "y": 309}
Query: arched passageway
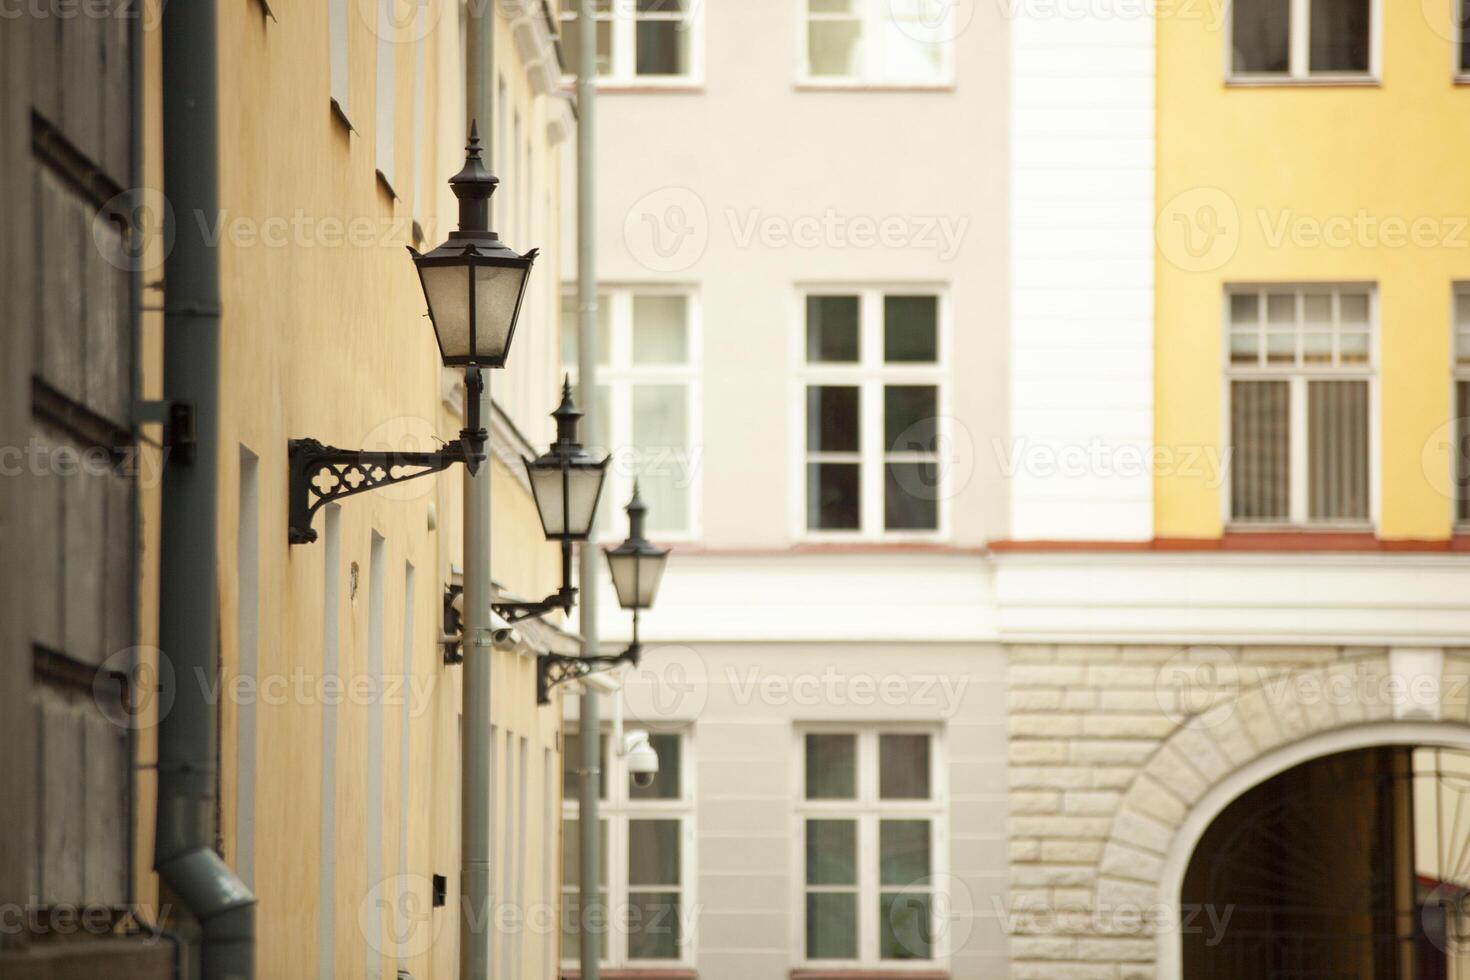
{"x": 1351, "y": 866}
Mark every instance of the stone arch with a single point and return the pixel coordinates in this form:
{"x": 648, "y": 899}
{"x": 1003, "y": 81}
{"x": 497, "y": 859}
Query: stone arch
{"x": 1208, "y": 762}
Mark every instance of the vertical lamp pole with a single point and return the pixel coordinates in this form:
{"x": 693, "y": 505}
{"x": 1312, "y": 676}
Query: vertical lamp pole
{"x": 589, "y": 724}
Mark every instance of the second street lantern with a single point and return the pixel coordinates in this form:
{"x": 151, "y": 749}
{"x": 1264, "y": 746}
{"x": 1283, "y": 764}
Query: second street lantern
{"x": 566, "y": 480}
{"x": 473, "y": 282}
{"x": 637, "y": 565}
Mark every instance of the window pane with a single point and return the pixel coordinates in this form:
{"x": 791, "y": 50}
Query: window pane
{"x": 1337, "y": 448}
{"x": 903, "y": 767}
{"x": 1317, "y": 309}
{"x": 1463, "y": 24}
{"x": 666, "y": 786}
{"x": 653, "y": 852}
{"x": 911, "y": 496}
{"x": 834, "y": 497}
{"x": 905, "y": 925}
{"x": 1353, "y": 347}
{"x": 1245, "y": 309}
{"x": 571, "y": 761}
{"x": 1280, "y": 348}
{"x": 910, "y": 329}
{"x": 653, "y": 925}
{"x": 831, "y": 926}
{"x": 1340, "y": 35}
{"x": 663, "y": 47}
{"x": 1317, "y": 347}
{"x": 831, "y": 767}
{"x": 832, "y": 419}
{"x": 831, "y": 852}
{"x": 570, "y": 330}
{"x": 832, "y": 329}
{"x": 1353, "y": 309}
{"x": 661, "y": 440}
{"x": 1259, "y": 31}
{"x": 1281, "y": 310}
{"x": 832, "y": 6}
{"x": 660, "y": 329}
{"x": 1461, "y": 452}
{"x": 571, "y": 849}
{"x": 571, "y": 44}
{"x": 1260, "y": 445}
{"x": 1245, "y": 348}
{"x": 903, "y": 851}
{"x": 572, "y": 926}
{"x": 834, "y": 48}
{"x": 910, "y": 418}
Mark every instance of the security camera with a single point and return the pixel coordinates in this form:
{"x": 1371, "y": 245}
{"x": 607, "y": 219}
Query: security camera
{"x": 642, "y": 759}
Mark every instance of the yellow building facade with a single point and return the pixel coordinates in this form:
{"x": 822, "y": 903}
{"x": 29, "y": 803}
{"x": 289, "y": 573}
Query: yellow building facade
{"x": 340, "y": 733}
{"x": 1307, "y": 163}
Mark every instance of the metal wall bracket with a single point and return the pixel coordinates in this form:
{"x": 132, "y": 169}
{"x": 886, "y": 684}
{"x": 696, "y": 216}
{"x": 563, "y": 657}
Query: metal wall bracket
{"x": 556, "y": 668}
{"x": 323, "y": 474}
{"x": 177, "y": 418}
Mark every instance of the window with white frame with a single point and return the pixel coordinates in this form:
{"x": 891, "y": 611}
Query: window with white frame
{"x": 638, "y": 41}
{"x": 1302, "y": 38}
{"x": 1462, "y": 27}
{"x": 647, "y": 852}
{"x": 870, "y": 843}
{"x": 1461, "y": 449}
{"x": 646, "y": 413}
{"x": 1300, "y": 376}
{"x": 337, "y": 56}
{"x": 873, "y": 412}
{"x": 879, "y": 42}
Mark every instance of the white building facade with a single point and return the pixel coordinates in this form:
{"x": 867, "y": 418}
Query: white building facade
{"x": 878, "y": 299}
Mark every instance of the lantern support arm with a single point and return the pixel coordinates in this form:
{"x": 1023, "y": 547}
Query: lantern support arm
{"x": 556, "y": 668}
{"x": 563, "y": 598}
{"x": 322, "y": 474}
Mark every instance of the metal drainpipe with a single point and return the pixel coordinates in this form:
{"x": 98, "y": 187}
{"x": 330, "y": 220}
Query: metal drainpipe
{"x": 588, "y": 722}
{"x": 476, "y": 787}
{"x": 222, "y": 909}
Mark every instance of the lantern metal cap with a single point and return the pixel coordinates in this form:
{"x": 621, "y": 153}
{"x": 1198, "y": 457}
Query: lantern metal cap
{"x": 636, "y": 543}
{"x": 567, "y": 450}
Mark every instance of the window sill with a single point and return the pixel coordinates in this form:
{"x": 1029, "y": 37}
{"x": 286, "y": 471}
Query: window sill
{"x": 637, "y": 973}
{"x": 1311, "y": 81}
{"x": 681, "y": 86}
{"x": 340, "y": 115}
{"x": 869, "y": 973}
{"x": 854, "y": 85}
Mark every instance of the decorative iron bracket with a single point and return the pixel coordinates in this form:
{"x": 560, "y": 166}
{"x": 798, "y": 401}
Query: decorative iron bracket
{"x": 557, "y": 668}
{"x": 563, "y": 598}
{"x": 325, "y": 474}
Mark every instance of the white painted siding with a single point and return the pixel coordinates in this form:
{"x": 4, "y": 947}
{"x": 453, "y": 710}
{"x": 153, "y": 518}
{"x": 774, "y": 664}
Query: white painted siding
{"x": 1082, "y": 184}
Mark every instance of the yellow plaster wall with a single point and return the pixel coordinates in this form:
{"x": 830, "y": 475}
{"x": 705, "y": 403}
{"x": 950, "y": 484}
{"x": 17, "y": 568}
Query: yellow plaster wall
{"x": 325, "y": 335}
{"x": 1384, "y": 162}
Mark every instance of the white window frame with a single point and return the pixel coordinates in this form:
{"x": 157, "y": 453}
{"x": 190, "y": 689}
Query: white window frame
{"x": 1459, "y": 374}
{"x": 1461, "y": 73}
{"x": 339, "y": 60}
{"x": 624, "y": 55}
{"x": 621, "y": 374}
{"x": 616, "y": 809}
{"x": 1297, "y": 375}
{"x": 386, "y": 99}
{"x": 1300, "y": 52}
{"x": 867, "y": 809}
{"x": 870, "y": 76}
{"x": 870, "y": 374}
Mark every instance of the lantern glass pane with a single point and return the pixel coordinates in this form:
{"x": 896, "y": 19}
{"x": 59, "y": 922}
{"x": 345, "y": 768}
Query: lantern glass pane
{"x": 497, "y": 294}
{"x": 636, "y": 578}
{"x": 582, "y": 492}
{"x": 447, "y": 290}
{"x": 546, "y": 485}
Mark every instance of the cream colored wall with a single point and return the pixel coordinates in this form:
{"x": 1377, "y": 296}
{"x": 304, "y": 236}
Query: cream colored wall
{"x": 1320, "y": 153}
{"x": 327, "y": 338}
